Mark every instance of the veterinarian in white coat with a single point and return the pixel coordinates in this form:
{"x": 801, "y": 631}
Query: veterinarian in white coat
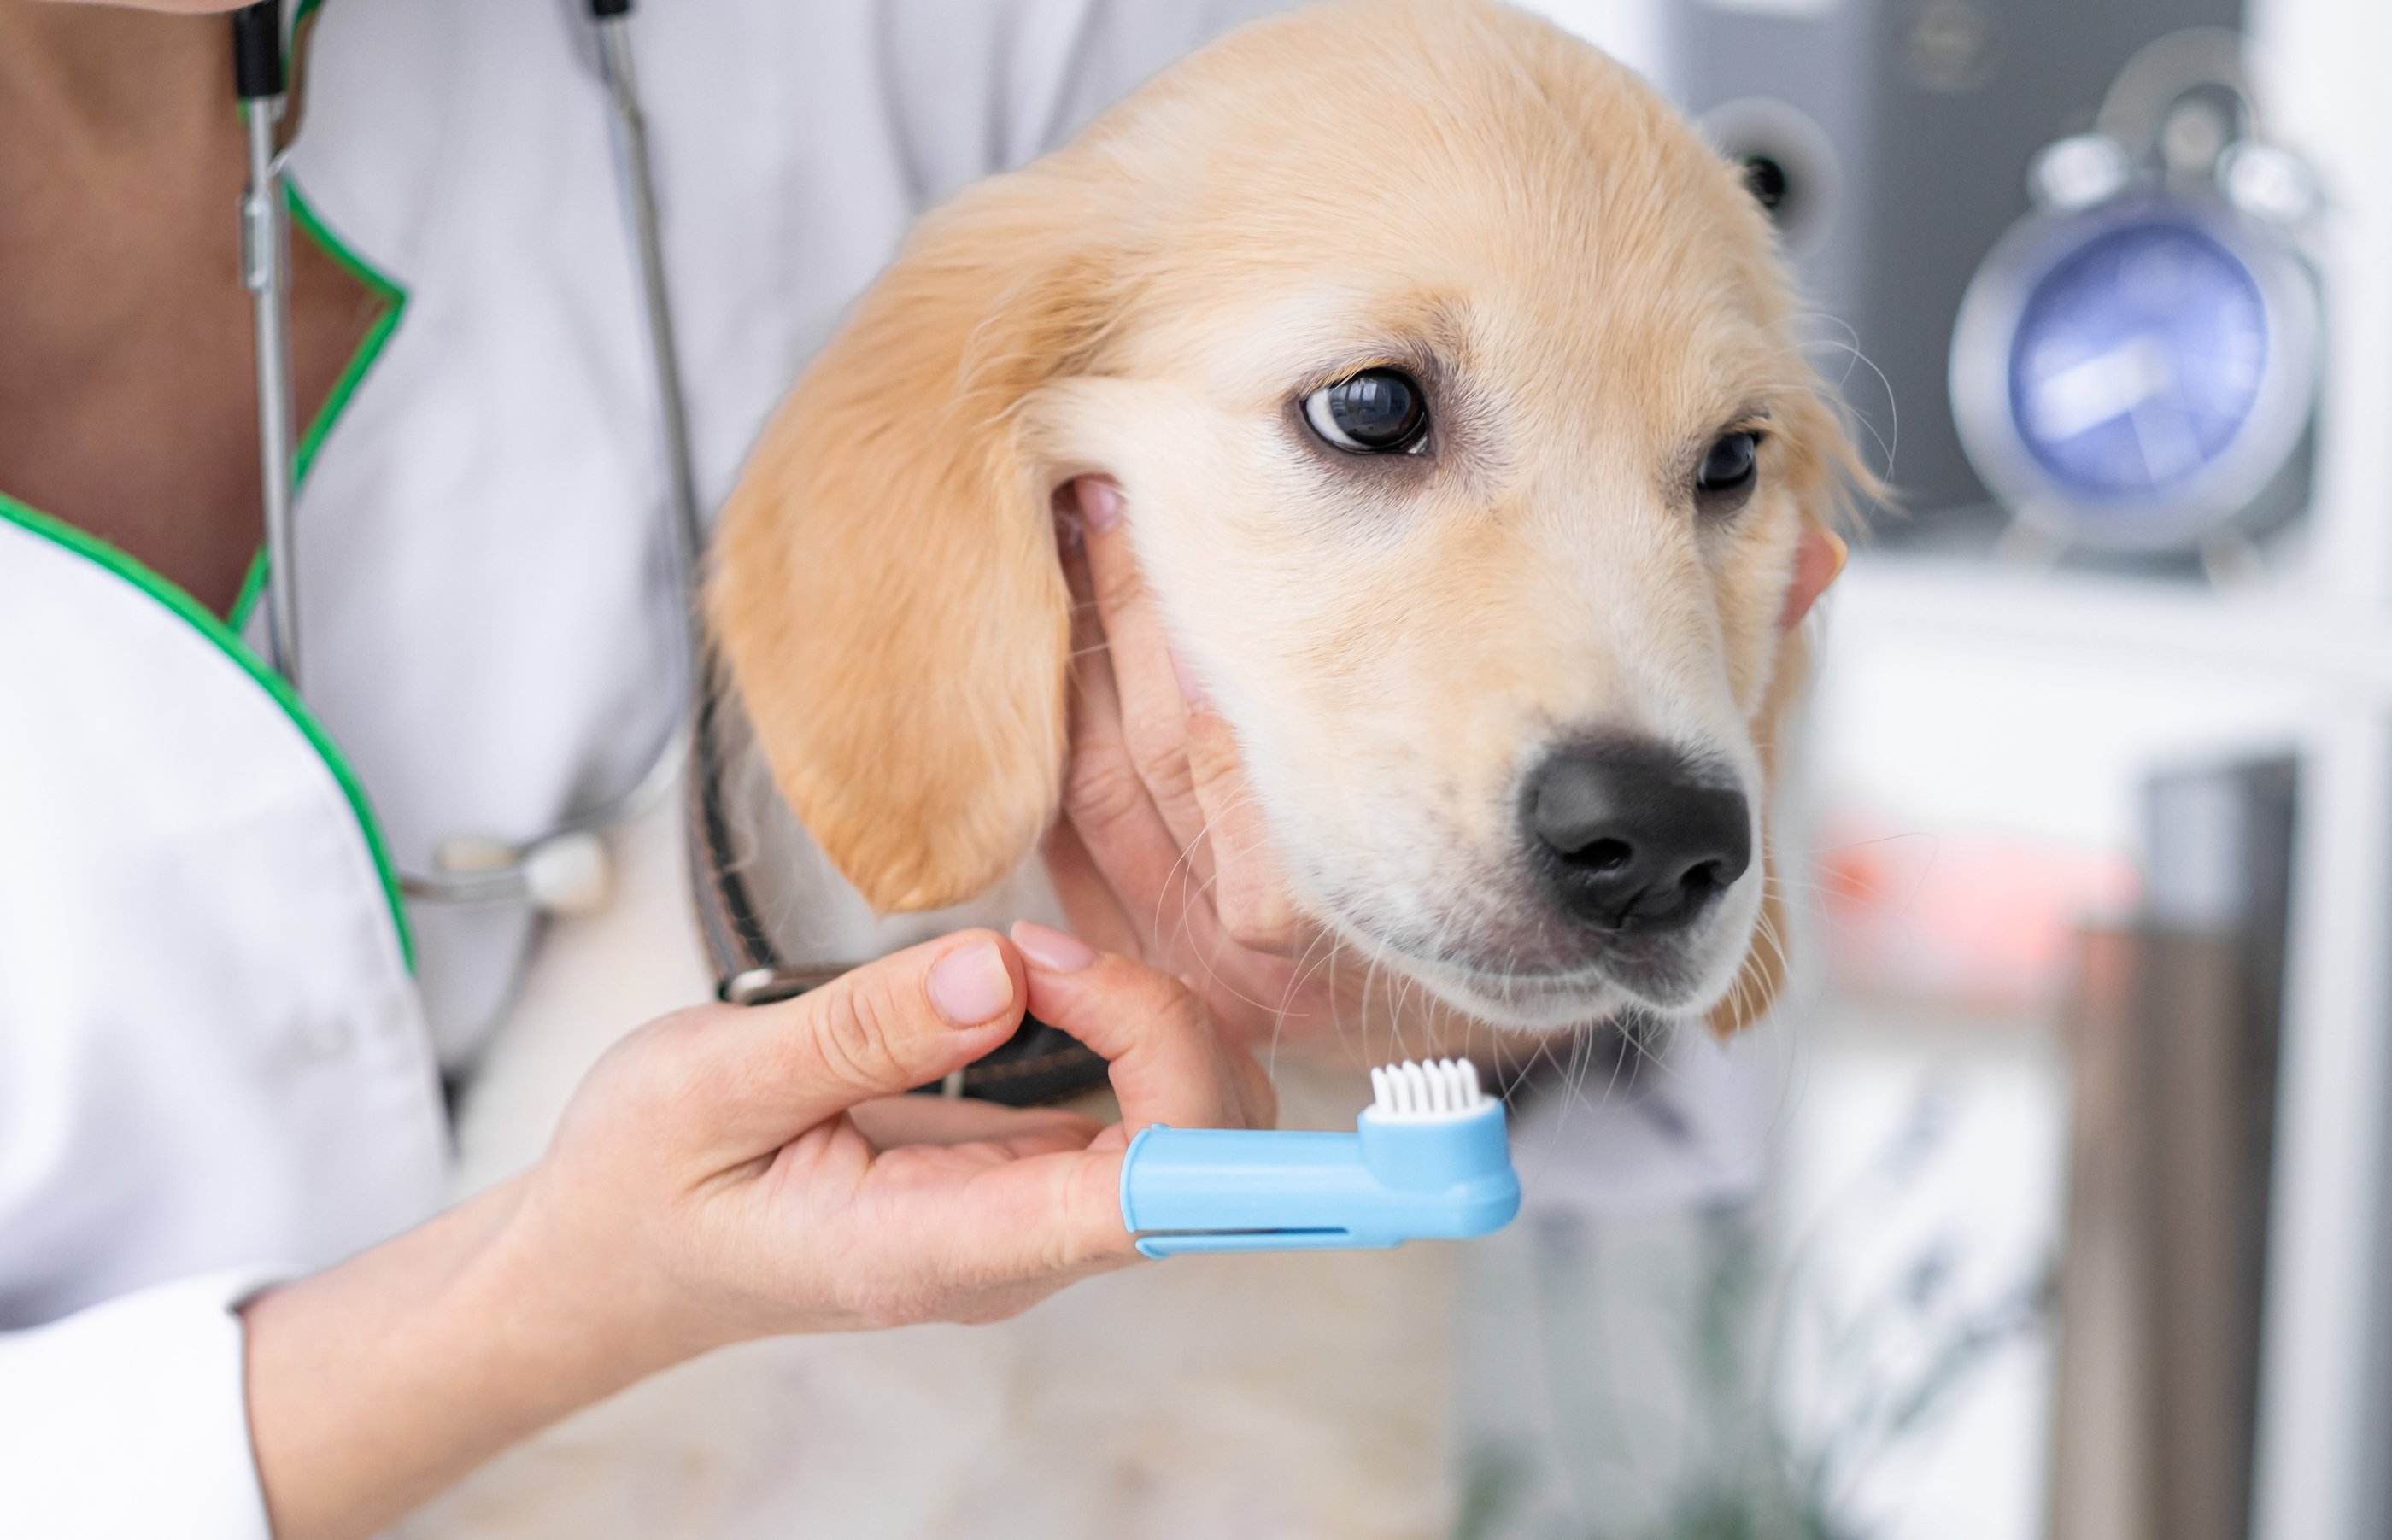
{"x": 222, "y": 1029}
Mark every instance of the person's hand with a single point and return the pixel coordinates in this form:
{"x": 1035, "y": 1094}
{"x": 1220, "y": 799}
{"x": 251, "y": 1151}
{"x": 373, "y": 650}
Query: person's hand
{"x": 727, "y": 1173}
{"x": 745, "y": 1177}
{"x": 1161, "y": 851}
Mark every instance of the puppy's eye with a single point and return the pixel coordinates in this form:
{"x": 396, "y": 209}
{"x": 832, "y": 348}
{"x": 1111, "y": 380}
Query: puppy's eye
{"x": 1378, "y": 411}
{"x": 1727, "y": 470}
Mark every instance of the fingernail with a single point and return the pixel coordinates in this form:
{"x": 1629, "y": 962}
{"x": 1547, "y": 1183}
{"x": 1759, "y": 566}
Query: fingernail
{"x": 1100, "y": 503}
{"x": 971, "y": 984}
{"x": 1191, "y": 690}
{"x": 1051, "y": 948}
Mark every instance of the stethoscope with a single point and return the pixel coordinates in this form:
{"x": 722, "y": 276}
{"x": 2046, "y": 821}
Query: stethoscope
{"x": 566, "y": 870}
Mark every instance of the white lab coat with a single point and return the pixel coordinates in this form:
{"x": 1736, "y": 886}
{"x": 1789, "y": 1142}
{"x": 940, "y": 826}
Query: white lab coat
{"x": 218, "y": 1059}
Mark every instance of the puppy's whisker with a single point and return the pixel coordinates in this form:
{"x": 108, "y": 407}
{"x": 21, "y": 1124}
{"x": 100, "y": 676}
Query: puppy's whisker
{"x": 1228, "y": 986}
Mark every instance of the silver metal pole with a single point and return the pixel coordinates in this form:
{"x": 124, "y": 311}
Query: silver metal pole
{"x": 266, "y": 271}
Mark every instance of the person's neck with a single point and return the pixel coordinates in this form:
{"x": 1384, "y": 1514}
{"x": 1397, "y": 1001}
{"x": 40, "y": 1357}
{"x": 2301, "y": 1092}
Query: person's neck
{"x": 96, "y": 83}
{"x": 126, "y": 405}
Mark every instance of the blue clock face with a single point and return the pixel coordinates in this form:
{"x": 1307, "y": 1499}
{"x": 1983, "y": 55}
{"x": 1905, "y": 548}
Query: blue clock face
{"x": 2137, "y": 360}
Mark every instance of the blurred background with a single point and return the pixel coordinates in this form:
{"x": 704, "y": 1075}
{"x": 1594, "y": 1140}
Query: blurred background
{"x": 2067, "y": 1215}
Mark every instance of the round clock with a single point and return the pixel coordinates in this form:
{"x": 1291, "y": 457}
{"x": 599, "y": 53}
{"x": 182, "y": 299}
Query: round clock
{"x": 2132, "y": 376}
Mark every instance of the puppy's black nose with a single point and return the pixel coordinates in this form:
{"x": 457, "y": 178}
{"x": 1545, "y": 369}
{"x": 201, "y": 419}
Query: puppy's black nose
{"x": 1634, "y": 836}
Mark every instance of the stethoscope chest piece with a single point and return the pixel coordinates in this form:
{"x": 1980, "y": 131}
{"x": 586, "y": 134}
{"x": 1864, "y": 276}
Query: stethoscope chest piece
{"x": 567, "y": 870}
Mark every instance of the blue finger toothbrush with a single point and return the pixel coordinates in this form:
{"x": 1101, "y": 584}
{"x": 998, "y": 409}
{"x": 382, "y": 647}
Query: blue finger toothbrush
{"x": 1427, "y": 1159}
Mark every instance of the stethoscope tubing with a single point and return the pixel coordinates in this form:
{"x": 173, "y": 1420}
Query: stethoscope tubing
{"x": 514, "y": 874}
{"x": 567, "y": 867}
{"x": 258, "y": 78}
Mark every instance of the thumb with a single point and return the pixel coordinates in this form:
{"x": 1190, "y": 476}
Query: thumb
{"x": 889, "y": 1026}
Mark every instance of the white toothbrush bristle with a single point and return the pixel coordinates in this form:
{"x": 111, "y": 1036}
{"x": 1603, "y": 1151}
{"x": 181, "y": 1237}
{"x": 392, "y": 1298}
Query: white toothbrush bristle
{"x": 1441, "y": 1088}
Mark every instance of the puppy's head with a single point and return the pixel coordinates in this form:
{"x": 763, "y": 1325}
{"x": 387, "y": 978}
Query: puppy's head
{"x": 1449, "y": 383}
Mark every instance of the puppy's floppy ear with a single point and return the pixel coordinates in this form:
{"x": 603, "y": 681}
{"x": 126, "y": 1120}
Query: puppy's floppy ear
{"x": 885, "y": 591}
{"x": 1826, "y": 471}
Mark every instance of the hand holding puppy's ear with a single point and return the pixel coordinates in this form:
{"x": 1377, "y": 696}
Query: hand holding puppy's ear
{"x": 1162, "y": 849}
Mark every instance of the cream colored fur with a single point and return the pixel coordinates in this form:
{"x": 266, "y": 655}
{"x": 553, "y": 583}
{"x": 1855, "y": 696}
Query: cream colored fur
{"x": 1590, "y": 298}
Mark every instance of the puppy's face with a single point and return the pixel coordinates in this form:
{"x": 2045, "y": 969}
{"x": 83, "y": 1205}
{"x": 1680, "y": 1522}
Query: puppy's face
{"x": 1449, "y": 382}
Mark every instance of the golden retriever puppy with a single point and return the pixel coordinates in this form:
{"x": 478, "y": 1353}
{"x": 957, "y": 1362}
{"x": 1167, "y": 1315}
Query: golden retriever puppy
{"x": 1468, "y": 449}
{"x": 1470, "y": 454}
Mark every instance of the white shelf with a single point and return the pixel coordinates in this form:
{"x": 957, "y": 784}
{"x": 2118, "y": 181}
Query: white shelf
{"x": 2267, "y": 628}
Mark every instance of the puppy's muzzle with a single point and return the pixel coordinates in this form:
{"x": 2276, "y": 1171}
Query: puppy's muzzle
{"x": 1633, "y": 837}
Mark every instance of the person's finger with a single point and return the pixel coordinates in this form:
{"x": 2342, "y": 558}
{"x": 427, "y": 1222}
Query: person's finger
{"x": 1169, "y": 1062}
{"x": 895, "y": 1122}
{"x": 1124, "y": 838}
{"x": 1152, "y": 688}
{"x": 1250, "y": 888}
{"x": 1035, "y": 1223}
{"x": 1091, "y": 906}
{"x": 762, "y": 1074}
{"x": 1116, "y": 863}
{"x": 1183, "y": 750}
